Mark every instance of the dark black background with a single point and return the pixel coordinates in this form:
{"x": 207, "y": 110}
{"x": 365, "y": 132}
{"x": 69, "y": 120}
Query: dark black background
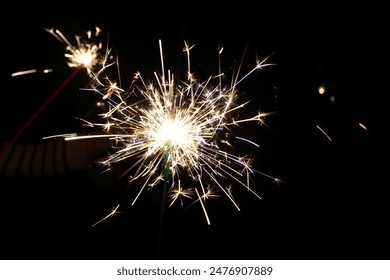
{"x": 332, "y": 202}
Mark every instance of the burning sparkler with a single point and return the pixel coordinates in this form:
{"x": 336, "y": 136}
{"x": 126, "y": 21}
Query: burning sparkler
{"x": 84, "y": 54}
{"x": 176, "y": 133}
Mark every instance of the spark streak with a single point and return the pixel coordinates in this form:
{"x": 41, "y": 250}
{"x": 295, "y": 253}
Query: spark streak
{"x": 111, "y": 214}
{"x": 323, "y": 132}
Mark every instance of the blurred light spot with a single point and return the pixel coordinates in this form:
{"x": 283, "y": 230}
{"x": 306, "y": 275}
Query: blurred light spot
{"x": 99, "y": 104}
{"x": 321, "y": 89}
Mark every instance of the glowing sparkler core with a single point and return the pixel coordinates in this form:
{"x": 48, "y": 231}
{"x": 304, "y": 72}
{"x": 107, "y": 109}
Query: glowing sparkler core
{"x": 174, "y": 133}
{"x": 178, "y": 130}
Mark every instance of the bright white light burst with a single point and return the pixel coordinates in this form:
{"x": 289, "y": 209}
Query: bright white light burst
{"x": 175, "y": 132}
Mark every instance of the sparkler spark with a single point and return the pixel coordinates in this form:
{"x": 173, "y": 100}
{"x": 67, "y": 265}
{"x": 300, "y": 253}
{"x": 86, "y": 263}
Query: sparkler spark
{"x": 178, "y": 133}
{"x": 323, "y": 132}
{"x": 363, "y": 126}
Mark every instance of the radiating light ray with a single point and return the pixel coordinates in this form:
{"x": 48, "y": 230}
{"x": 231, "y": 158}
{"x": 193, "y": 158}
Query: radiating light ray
{"x": 247, "y": 140}
{"x": 323, "y": 132}
{"x": 190, "y": 119}
{"x": 203, "y": 207}
{"x": 111, "y": 214}
{"x": 65, "y": 135}
{"x": 363, "y": 126}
